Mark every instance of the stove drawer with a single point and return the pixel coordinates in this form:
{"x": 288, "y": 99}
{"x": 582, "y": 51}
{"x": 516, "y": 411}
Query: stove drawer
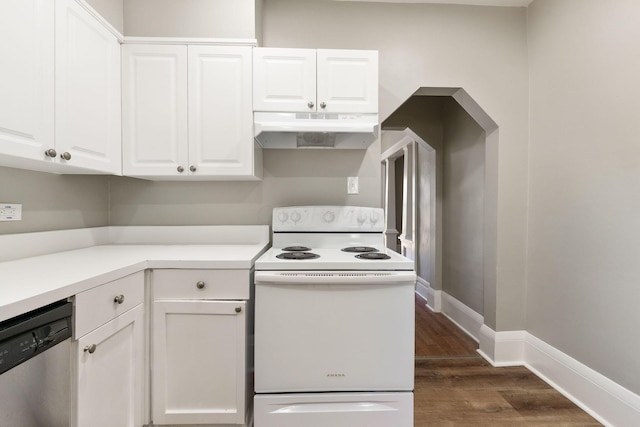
{"x": 334, "y": 409}
{"x": 201, "y": 284}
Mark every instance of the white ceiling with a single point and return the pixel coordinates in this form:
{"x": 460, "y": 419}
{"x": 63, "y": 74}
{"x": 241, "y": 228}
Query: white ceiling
{"x": 512, "y": 3}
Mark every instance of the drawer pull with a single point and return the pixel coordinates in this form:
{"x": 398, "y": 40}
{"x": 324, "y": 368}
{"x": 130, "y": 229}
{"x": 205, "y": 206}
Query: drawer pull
{"x": 90, "y": 349}
{"x": 119, "y": 299}
{"x": 200, "y": 284}
{"x": 238, "y": 309}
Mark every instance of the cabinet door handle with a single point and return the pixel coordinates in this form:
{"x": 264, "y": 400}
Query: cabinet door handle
{"x": 119, "y": 299}
{"x": 180, "y": 169}
{"x": 323, "y": 105}
{"x": 238, "y": 309}
{"x": 90, "y": 349}
{"x": 51, "y": 152}
{"x": 311, "y": 104}
{"x": 192, "y": 168}
{"x": 200, "y": 285}
{"x": 66, "y": 155}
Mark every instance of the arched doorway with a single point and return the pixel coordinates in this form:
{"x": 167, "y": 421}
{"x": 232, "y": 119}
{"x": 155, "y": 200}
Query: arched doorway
{"x": 445, "y": 144}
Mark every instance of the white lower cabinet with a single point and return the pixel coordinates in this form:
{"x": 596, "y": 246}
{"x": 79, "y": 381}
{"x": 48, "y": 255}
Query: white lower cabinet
{"x": 108, "y": 355}
{"x": 109, "y": 374}
{"x": 199, "y": 348}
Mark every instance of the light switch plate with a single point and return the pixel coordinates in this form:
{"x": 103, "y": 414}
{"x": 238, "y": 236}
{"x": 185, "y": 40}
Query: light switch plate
{"x": 10, "y": 212}
{"x": 352, "y": 185}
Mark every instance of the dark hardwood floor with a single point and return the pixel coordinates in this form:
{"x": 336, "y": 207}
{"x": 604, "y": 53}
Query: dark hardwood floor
{"x": 454, "y": 386}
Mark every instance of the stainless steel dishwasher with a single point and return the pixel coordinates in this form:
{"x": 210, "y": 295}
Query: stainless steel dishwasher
{"x": 35, "y": 368}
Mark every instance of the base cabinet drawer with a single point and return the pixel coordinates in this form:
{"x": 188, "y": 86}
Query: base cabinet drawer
{"x": 201, "y": 284}
{"x": 101, "y": 304}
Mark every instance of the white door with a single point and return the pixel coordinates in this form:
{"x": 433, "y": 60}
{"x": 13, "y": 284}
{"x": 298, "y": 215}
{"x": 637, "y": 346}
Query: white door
{"x": 154, "y": 110}
{"x": 352, "y": 336}
{"x": 109, "y": 377}
{"x": 284, "y": 80}
{"x": 87, "y": 90}
{"x": 199, "y": 362}
{"x": 347, "y": 81}
{"x": 26, "y": 78}
{"x": 220, "y": 115}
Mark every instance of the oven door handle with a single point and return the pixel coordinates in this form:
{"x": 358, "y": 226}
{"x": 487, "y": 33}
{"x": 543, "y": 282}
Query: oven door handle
{"x": 335, "y": 277}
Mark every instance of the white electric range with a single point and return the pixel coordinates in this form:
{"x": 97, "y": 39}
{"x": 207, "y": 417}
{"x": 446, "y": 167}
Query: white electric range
{"x": 334, "y": 322}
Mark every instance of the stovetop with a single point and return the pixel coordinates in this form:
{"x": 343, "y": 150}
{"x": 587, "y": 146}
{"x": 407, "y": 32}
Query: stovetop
{"x": 330, "y": 238}
{"x": 332, "y": 259}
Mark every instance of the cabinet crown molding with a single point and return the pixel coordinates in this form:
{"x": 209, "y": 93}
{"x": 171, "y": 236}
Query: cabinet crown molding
{"x": 190, "y": 41}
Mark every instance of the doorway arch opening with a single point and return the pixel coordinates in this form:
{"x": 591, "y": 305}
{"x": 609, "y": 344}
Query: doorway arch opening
{"x": 439, "y": 169}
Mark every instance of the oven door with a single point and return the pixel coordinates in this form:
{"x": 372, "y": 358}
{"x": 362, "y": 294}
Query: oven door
{"x": 334, "y": 331}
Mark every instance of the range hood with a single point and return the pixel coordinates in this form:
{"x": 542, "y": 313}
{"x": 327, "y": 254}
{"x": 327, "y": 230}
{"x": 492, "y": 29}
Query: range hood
{"x": 315, "y": 130}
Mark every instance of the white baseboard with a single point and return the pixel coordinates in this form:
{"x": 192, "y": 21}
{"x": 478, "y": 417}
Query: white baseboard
{"x": 502, "y": 348}
{"x": 602, "y": 398}
{"x": 605, "y": 400}
{"x": 432, "y": 296}
{"x": 463, "y": 316}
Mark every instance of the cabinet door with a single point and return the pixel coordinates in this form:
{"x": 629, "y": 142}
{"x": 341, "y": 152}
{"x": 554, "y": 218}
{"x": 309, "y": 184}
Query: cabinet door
{"x": 199, "y": 362}
{"x": 26, "y": 78}
{"x": 284, "y": 80}
{"x": 87, "y": 101}
{"x": 348, "y": 81}
{"x": 220, "y": 113}
{"x": 108, "y": 383}
{"x": 154, "y": 109}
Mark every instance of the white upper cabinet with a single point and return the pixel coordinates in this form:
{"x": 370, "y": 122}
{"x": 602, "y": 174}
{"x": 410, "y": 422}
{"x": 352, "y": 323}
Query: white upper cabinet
{"x": 154, "y": 109}
{"x": 26, "y": 78}
{"x": 309, "y": 80}
{"x": 87, "y": 89}
{"x": 194, "y": 124}
{"x": 59, "y": 112}
{"x": 347, "y": 81}
{"x": 220, "y": 114}
{"x": 284, "y": 79}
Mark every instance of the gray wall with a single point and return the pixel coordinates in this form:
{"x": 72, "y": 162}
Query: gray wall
{"x": 111, "y": 10}
{"x": 481, "y": 49}
{"x": 291, "y": 177}
{"x": 54, "y": 202}
{"x": 584, "y": 234}
{"x": 192, "y": 18}
{"x": 463, "y": 207}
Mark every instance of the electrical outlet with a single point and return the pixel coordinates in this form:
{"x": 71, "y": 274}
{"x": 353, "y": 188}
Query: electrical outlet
{"x": 352, "y": 185}
{"x": 10, "y": 212}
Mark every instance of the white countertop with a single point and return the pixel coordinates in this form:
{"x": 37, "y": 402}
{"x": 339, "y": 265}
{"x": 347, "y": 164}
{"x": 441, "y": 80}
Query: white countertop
{"x": 31, "y": 282}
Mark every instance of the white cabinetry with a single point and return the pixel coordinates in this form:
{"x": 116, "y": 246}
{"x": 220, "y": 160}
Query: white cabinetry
{"x": 108, "y": 360}
{"x": 154, "y": 109}
{"x": 199, "y": 347}
{"x": 308, "y": 80}
{"x": 87, "y": 87}
{"x": 194, "y": 124}
{"x": 26, "y": 79}
{"x": 82, "y": 103}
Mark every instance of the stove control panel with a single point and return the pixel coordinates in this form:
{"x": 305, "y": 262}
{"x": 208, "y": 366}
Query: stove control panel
{"x": 328, "y": 219}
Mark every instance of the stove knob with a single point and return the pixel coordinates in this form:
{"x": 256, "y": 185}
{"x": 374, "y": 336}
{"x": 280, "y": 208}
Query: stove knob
{"x": 375, "y": 217}
{"x": 329, "y": 216}
{"x": 283, "y": 217}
